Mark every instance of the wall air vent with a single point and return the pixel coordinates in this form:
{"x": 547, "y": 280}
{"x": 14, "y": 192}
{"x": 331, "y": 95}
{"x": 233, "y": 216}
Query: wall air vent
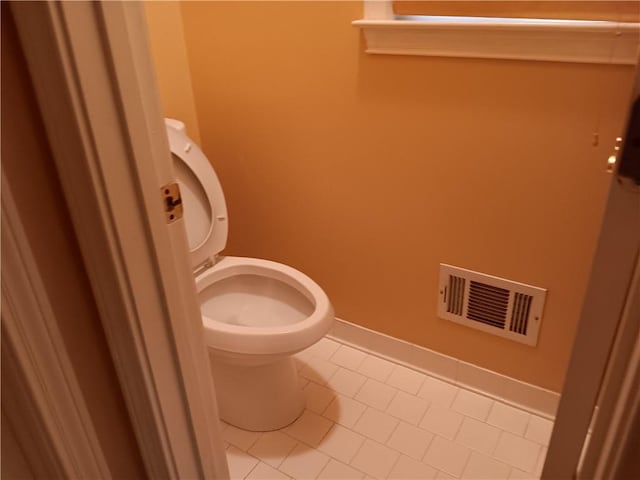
{"x": 494, "y": 305}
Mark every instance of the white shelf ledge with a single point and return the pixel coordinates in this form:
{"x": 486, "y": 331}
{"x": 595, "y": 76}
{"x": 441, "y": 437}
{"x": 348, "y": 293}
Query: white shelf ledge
{"x": 579, "y": 41}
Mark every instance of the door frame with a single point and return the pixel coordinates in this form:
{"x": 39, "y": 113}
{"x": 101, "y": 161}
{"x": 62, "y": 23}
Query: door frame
{"x": 597, "y": 402}
{"x": 95, "y": 87}
{"x": 41, "y": 398}
{"x": 619, "y": 399}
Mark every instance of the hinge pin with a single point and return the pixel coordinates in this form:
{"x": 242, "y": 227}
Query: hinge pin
{"x": 172, "y": 202}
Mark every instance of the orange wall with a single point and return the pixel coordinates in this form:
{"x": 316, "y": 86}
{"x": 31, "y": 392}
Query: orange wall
{"x": 367, "y": 171}
{"x": 166, "y": 38}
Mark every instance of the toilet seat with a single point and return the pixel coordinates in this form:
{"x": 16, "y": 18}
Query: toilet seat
{"x": 203, "y": 197}
{"x": 272, "y": 339}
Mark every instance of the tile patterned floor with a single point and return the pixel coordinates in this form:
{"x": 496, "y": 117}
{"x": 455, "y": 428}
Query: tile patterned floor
{"x": 369, "y": 418}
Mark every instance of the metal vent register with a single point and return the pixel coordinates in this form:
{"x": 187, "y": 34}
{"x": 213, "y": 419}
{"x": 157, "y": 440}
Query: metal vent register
{"x": 494, "y": 305}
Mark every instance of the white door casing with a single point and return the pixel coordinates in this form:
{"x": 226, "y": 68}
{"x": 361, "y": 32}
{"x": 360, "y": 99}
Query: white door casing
{"x": 39, "y": 386}
{"x": 610, "y": 297}
{"x": 92, "y": 74}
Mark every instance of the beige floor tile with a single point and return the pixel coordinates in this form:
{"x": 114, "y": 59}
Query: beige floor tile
{"x": 539, "y": 430}
{"x": 517, "y": 452}
{"x": 447, "y": 456}
{"x": 441, "y": 421}
{"x": 376, "y": 394}
{"x": 336, "y": 470}
{"x": 346, "y": 382}
{"x": 273, "y": 448}
{"x": 375, "y": 459}
{"x": 542, "y": 456}
{"x": 262, "y": 471}
{"x": 240, "y": 463}
{"x": 472, "y": 404}
{"x": 318, "y": 370}
{"x": 376, "y": 425}
{"x": 482, "y": 467}
{"x": 409, "y": 469}
{"x": 517, "y": 474}
{"x": 318, "y": 397}
{"x": 348, "y": 357}
{"x": 310, "y": 428}
{"x": 410, "y": 440}
{"x": 443, "y": 476}
{"x": 304, "y": 463}
{"x": 478, "y": 435}
{"x": 508, "y": 418}
{"x": 241, "y": 439}
{"x": 438, "y": 392}
{"x": 376, "y": 368}
{"x": 341, "y": 443}
{"x": 324, "y": 348}
{"x": 406, "y": 379}
{"x": 408, "y": 407}
{"x": 344, "y": 410}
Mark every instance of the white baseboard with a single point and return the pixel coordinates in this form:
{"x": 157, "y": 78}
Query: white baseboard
{"x": 523, "y": 395}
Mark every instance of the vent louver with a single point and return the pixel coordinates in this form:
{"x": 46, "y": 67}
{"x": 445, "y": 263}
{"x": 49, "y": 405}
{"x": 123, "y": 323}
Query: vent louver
{"x": 491, "y": 304}
{"x": 520, "y": 313}
{"x": 488, "y": 304}
{"x": 456, "y": 295}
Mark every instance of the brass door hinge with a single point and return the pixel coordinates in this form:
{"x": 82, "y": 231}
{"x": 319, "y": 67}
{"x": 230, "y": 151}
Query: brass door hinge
{"x": 172, "y": 202}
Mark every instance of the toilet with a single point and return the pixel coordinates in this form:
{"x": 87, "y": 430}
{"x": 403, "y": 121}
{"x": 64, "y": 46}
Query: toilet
{"x": 256, "y": 313}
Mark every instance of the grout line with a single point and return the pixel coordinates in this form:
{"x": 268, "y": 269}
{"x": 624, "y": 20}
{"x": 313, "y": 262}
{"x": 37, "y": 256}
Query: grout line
{"x": 358, "y": 450}
{"x": 386, "y": 410}
{"x": 453, "y": 401}
{"x": 459, "y": 428}
{"x": 493, "y": 453}
{"x": 396, "y": 461}
{"x": 360, "y": 387}
{"x": 386, "y": 443}
{"x": 254, "y": 467}
{"x": 433, "y": 437}
{"x": 424, "y": 414}
{"x": 325, "y": 435}
{"x": 526, "y": 429}
{"x": 535, "y": 465}
{"x": 254, "y": 442}
{"x": 484, "y": 420}
{"x": 466, "y": 463}
{"x": 361, "y": 414}
{"x": 323, "y": 467}
{"x": 424, "y": 379}
{"x": 392, "y": 431}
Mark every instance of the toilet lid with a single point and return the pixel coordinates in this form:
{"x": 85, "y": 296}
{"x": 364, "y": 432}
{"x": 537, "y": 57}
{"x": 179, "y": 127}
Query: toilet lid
{"x": 205, "y": 210}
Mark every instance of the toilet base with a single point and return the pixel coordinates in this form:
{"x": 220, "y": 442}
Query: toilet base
{"x": 258, "y": 398}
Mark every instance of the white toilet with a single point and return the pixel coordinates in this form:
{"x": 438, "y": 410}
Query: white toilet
{"x": 255, "y": 313}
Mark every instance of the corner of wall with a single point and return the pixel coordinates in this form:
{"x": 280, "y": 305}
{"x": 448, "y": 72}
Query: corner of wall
{"x": 169, "y": 52}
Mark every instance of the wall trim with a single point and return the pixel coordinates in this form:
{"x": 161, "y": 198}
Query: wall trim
{"x": 526, "y": 396}
{"x": 578, "y": 41}
{"x": 42, "y": 390}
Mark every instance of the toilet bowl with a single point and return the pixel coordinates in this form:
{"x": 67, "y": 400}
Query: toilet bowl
{"x": 255, "y": 313}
